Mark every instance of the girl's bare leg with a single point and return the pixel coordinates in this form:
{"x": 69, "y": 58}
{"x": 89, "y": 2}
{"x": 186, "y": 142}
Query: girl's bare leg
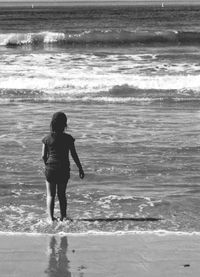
{"x": 51, "y": 193}
{"x": 62, "y": 200}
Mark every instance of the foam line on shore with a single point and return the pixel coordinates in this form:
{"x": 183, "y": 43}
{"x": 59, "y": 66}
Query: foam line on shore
{"x": 117, "y": 233}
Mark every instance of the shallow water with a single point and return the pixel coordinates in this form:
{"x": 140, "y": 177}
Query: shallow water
{"x": 139, "y": 162}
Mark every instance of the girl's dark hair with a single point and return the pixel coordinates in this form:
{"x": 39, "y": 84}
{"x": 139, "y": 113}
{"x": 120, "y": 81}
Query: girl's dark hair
{"x": 58, "y": 123}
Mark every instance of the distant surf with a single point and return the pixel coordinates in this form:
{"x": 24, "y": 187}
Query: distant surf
{"x": 104, "y": 37}
{"x": 117, "y": 94}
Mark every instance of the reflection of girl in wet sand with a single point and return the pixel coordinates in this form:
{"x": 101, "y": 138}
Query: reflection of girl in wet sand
{"x": 58, "y": 262}
{"x": 55, "y": 153}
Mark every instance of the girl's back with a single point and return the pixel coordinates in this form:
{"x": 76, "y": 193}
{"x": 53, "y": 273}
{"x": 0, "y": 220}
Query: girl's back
{"x": 58, "y": 146}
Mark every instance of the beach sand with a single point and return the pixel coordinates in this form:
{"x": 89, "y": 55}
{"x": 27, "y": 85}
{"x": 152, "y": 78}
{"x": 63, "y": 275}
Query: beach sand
{"x": 135, "y": 254}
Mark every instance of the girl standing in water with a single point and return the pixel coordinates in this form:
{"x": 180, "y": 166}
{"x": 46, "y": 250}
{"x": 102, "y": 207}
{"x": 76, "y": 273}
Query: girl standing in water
{"x": 55, "y": 154}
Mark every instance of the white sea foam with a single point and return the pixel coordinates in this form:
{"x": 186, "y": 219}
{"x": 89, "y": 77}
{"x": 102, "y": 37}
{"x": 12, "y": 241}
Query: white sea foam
{"x": 100, "y": 233}
{"x": 83, "y": 74}
{"x": 117, "y": 197}
{"x": 30, "y": 38}
{"x": 84, "y": 84}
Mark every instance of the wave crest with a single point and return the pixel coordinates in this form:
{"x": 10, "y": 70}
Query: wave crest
{"x": 103, "y": 37}
{"x": 17, "y": 39}
{"x": 118, "y": 94}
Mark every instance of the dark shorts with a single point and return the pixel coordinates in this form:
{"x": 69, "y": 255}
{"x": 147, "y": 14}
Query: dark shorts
{"x": 57, "y": 175}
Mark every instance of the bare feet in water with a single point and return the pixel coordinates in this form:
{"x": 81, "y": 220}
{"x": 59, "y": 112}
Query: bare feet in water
{"x": 65, "y": 218}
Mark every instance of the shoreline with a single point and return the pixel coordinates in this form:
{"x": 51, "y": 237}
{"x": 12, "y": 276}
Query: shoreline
{"x": 102, "y": 233}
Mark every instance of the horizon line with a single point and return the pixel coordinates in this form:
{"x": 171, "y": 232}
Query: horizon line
{"x": 95, "y": 3}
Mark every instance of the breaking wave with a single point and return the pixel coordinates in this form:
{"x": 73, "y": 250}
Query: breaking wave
{"x": 102, "y": 37}
{"x": 118, "y": 94}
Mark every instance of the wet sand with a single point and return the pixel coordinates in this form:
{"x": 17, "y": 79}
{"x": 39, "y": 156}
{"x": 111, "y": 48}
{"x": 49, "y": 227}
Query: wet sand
{"x": 130, "y": 254}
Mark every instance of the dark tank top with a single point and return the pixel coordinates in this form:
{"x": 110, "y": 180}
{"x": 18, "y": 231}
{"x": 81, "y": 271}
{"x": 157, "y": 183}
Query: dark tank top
{"x": 58, "y": 146}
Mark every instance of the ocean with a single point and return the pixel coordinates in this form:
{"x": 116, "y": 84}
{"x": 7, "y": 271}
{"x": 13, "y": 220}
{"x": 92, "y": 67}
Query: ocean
{"x": 128, "y": 79}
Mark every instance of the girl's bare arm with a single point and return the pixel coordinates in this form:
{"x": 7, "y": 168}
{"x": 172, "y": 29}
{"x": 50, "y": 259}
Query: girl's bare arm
{"x": 44, "y": 153}
{"x": 77, "y": 161}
